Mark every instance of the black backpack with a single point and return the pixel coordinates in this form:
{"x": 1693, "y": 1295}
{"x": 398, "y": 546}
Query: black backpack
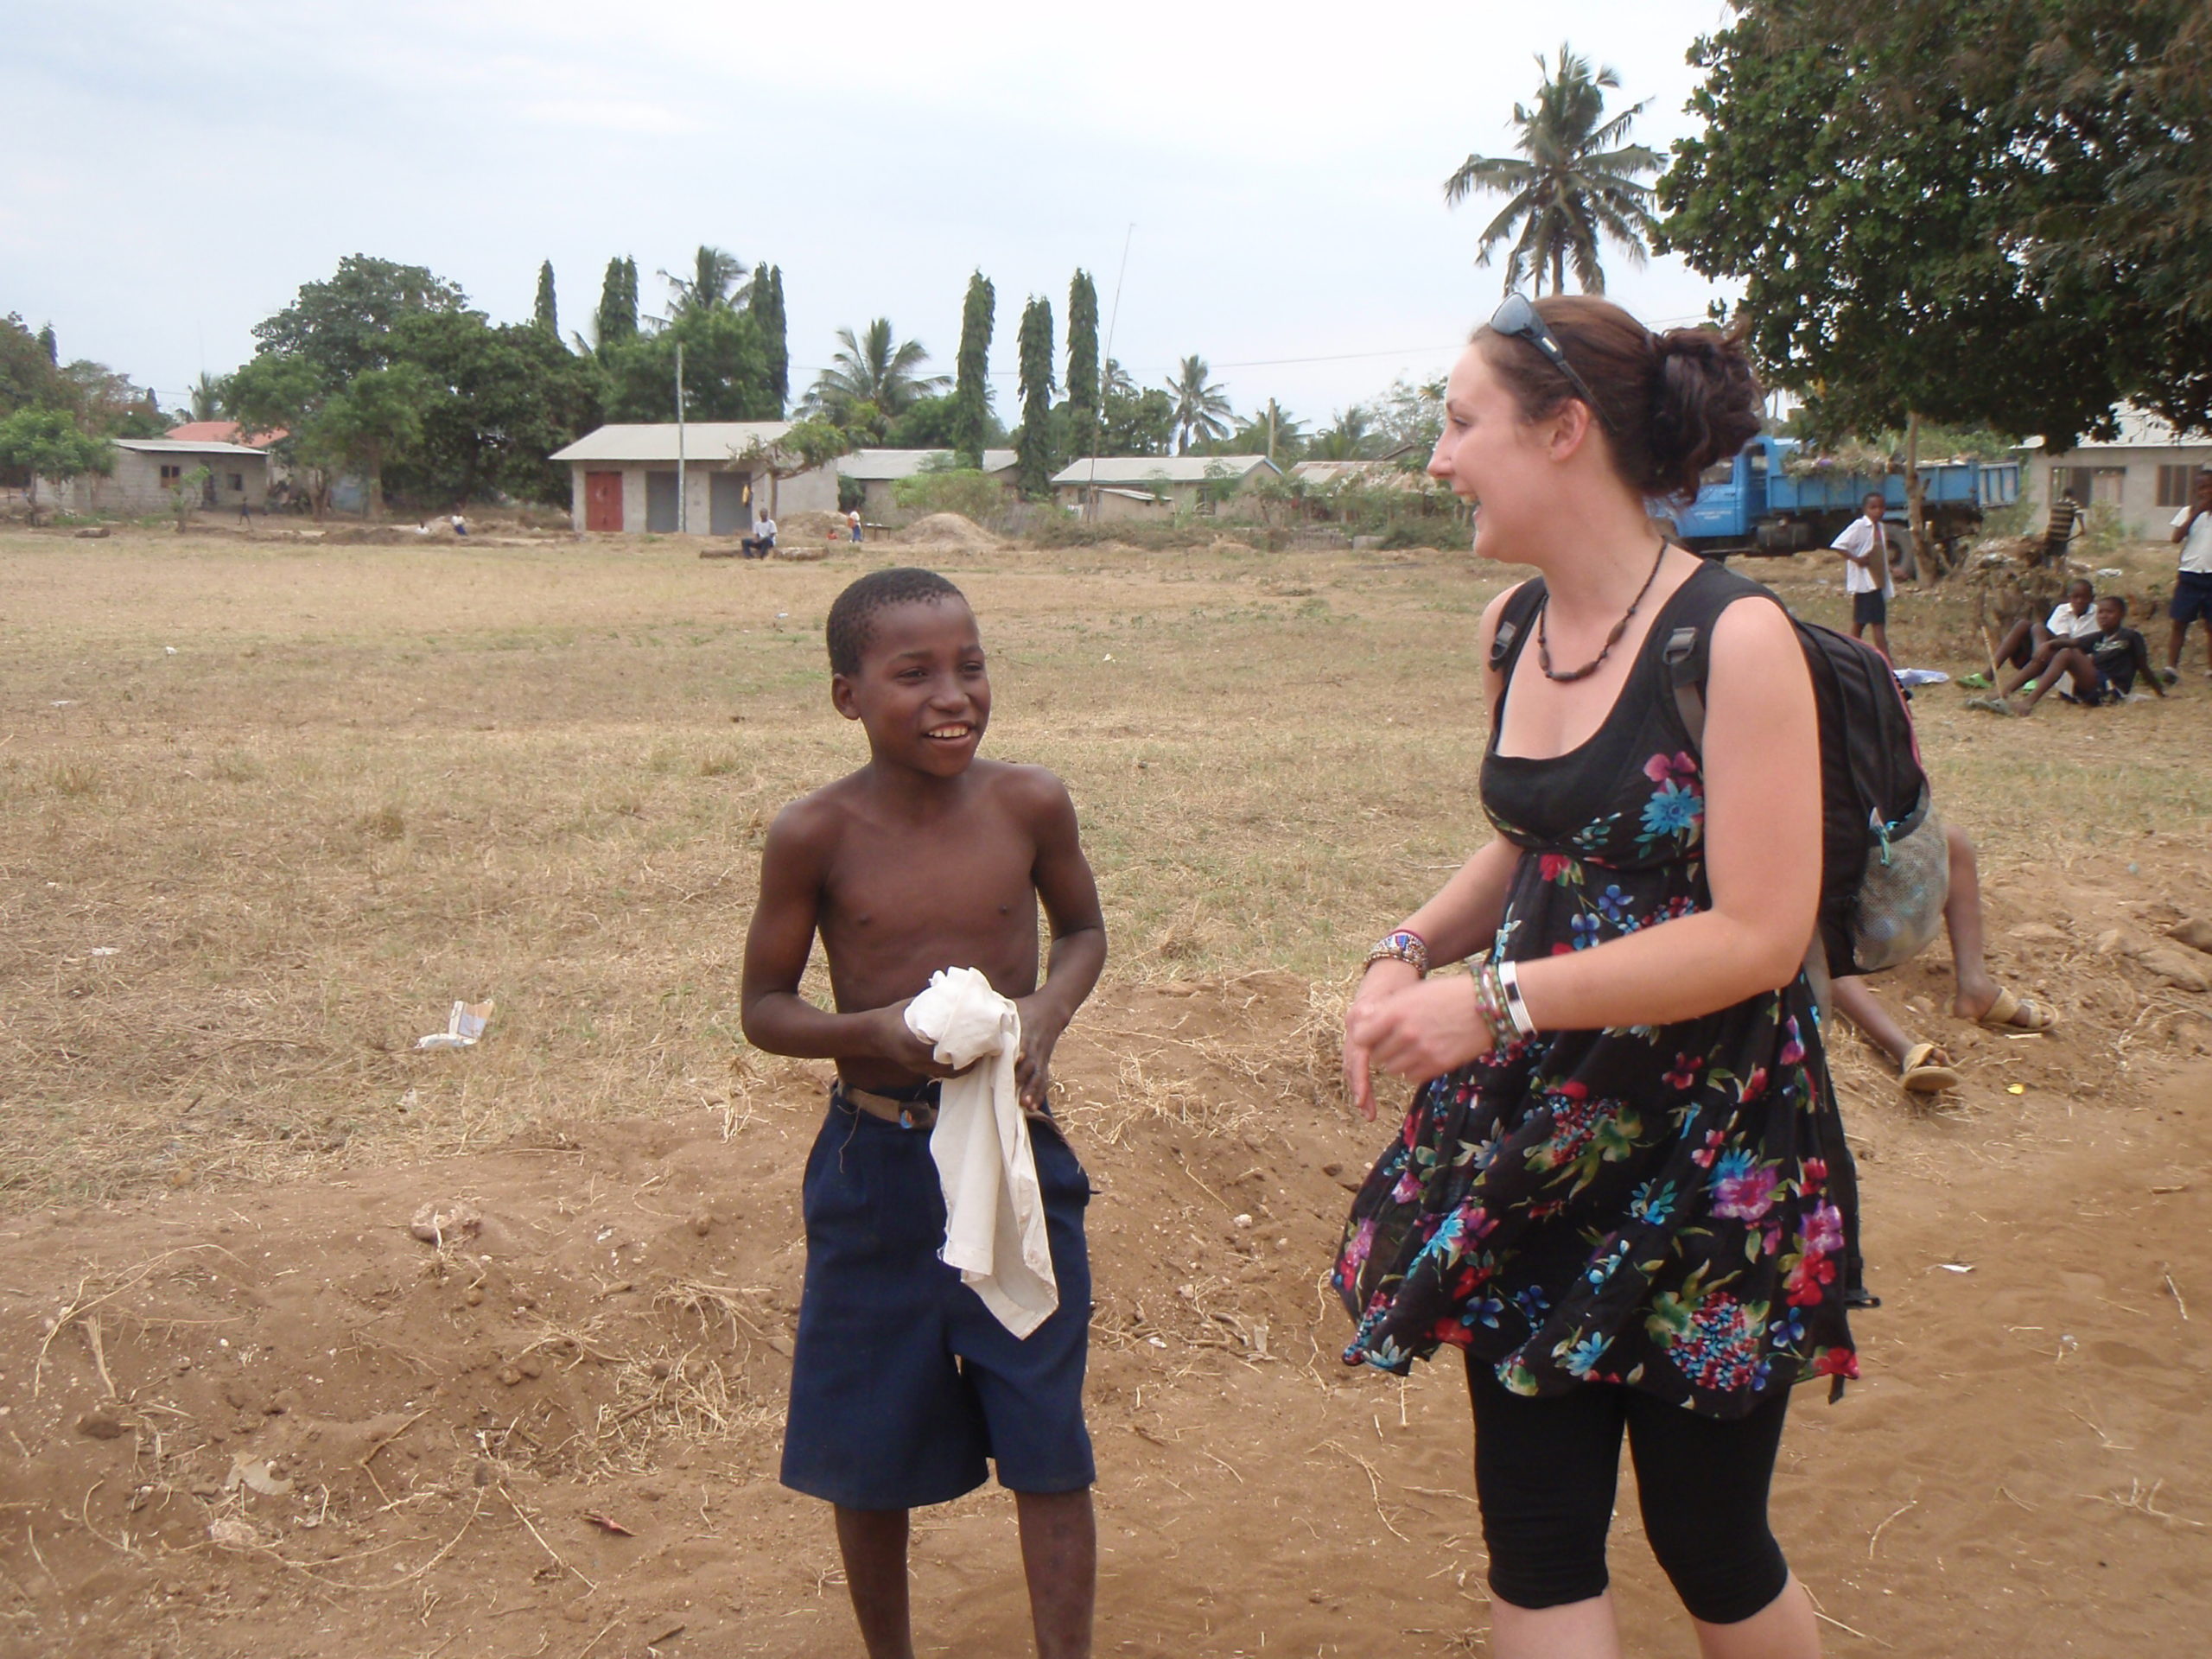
{"x": 1885, "y": 864}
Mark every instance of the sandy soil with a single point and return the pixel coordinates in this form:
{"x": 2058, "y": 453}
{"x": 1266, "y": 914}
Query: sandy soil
{"x": 275, "y": 1422}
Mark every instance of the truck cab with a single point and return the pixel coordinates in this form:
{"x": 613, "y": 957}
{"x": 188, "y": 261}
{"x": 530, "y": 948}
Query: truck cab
{"x": 1731, "y": 499}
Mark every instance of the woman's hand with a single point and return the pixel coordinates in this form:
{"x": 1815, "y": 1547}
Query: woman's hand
{"x": 1411, "y": 1028}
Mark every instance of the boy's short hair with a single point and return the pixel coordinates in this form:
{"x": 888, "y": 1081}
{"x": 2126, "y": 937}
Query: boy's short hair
{"x": 1874, "y": 495}
{"x": 852, "y": 615}
{"x": 2119, "y": 600}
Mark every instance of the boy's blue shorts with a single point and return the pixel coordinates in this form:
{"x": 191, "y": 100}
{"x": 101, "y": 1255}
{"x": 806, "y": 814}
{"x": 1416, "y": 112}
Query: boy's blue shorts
{"x": 902, "y": 1382}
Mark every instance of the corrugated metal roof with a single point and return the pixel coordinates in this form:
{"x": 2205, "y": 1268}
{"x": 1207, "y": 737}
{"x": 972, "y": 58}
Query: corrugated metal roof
{"x": 1149, "y": 469}
{"x": 876, "y": 465}
{"x": 2138, "y": 430}
{"x": 703, "y": 440}
{"x": 172, "y": 447}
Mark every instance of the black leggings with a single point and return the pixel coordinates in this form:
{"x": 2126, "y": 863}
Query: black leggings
{"x": 1545, "y": 1474}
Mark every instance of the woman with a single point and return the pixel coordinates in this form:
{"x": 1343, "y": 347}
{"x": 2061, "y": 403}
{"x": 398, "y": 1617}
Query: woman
{"x": 1622, "y": 1187}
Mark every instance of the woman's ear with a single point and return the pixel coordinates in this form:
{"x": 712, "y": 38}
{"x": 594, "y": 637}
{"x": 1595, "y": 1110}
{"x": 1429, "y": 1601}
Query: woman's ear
{"x": 1570, "y": 428}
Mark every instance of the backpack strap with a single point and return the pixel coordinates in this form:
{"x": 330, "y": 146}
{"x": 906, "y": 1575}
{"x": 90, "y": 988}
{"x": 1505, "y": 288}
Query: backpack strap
{"x": 1515, "y": 621}
{"x": 1686, "y": 651}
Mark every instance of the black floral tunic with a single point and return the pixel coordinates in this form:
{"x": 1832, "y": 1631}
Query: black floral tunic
{"x": 1669, "y": 1207}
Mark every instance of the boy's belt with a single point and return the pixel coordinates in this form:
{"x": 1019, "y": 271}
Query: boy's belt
{"x": 906, "y": 1113}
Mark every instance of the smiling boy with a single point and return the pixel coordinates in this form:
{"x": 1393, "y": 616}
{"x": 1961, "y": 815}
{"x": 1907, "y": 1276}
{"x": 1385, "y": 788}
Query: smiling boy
{"x": 903, "y": 1383}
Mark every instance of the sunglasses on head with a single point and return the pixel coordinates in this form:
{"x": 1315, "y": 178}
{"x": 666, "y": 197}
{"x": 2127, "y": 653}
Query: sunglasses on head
{"x": 1517, "y": 318}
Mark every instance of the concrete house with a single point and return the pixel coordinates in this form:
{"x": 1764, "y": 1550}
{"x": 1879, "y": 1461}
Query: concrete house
{"x": 878, "y": 472}
{"x": 623, "y": 478}
{"x": 2138, "y": 479}
{"x": 1136, "y": 486}
{"x": 148, "y": 471}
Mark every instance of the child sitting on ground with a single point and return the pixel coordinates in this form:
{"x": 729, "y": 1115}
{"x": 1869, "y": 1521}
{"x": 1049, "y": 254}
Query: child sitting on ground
{"x": 2073, "y": 618}
{"x": 2103, "y": 667}
{"x": 903, "y": 1380}
{"x": 1924, "y": 1068}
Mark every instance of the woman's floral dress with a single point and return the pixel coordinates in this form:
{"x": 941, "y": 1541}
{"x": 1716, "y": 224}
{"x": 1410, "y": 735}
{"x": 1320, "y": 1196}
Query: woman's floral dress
{"x": 1669, "y": 1207}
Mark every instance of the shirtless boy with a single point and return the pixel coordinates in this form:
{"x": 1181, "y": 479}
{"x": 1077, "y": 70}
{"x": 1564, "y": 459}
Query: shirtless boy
{"x": 903, "y": 1383}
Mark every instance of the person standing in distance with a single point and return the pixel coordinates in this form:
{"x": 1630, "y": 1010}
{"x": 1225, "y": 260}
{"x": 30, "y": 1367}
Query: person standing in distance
{"x": 1621, "y": 1186}
{"x": 2192, "y": 601}
{"x": 1869, "y": 570}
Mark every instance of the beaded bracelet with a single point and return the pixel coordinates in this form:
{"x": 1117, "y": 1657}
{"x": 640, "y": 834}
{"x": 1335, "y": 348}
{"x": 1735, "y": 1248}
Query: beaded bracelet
{"x": 1489, "y": 1002}
{"x": 1401, "y": 946}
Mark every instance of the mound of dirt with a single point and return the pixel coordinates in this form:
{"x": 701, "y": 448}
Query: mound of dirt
{"x": 947, "y": 529}
{"x": 810, "y": 527}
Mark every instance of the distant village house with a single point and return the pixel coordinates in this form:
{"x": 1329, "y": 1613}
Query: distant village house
{"x": 2137, "y": 481}
{"x": 149, "y": 471}
{"x": 623, "y": 478}
{"x": 878, "y": 472}
{"x": 1142, "y": 486}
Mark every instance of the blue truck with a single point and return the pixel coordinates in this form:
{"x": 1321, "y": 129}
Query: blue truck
{"x": 1754, "y": 504}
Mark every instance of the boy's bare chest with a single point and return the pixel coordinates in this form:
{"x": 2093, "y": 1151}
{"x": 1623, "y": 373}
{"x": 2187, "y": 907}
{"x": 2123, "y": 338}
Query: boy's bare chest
{"x": 974, "y": 880}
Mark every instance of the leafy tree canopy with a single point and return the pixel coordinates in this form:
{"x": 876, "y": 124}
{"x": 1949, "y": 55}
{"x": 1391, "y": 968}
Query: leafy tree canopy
{"x": 28, "y": 378}
{"x": 971, "y": 389}
{"x": 1981, "y": 211}
{"x": 927, "y": 423}
{"x": 343, "y": 326}
{"x": 874, "y": 366}
{"x": 726, "y": 372}
{"x": 1202, "y": 411}
{"x": 1037, "y": 442}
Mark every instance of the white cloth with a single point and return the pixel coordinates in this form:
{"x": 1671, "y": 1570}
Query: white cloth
{"x": 993, "y": 1209}
{"x": 2067, "y": 623}
{"x": 1858, "y": 536}
{"x": 2196, "y": 546}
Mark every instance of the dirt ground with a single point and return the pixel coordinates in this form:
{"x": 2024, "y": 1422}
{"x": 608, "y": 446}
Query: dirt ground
{"x": 260, "y": 811}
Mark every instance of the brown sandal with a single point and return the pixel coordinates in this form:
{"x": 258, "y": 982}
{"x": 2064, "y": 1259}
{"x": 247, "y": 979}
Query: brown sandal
{"x": 1927, "y": 1070}
{"x": 2011, "y": 1013}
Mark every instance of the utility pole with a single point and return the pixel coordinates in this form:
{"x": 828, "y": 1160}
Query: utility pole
{"x": 683, "y": 489}
{"x": 1271, "y": 431}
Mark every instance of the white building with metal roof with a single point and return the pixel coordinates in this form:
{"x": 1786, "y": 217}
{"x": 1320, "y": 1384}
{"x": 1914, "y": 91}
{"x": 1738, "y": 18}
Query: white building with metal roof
{"x": 149, "y": 471}
{"x": 878, "y": 472}
{"x": 2140, "y": 477}
{"x": 626, "y": 478}
{"x": 1112, "y": 486}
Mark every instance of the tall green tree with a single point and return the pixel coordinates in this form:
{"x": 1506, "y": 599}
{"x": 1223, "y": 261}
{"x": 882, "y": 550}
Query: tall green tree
{"x": 717, "y": 282}
{"x": 547, "y": 313}
{"x": 1083, "y": 357}
{"x": 52, "y": 347}
{"x": 1574, "y": 179}
{"x": 500, "y": 398}
{"x": 775, "y": 329}
{"x": 1349, "y": 437}
{"x": 207, "y": 400}
{"x": 1036, "y": 460}
{"x": 726, "y": 370}
{"x": 29, "y": 377}
{"x": 971, "y": 391}
{"x": 1274, "y": 432}
{"x": 49, "y": 443}
{"x": 342, "y": 328}
{"x": 1202, "y": 411}
{"x": 874, "y": 366}
{"x": 616, "y": 321}
{"x": 1132, "y": 419}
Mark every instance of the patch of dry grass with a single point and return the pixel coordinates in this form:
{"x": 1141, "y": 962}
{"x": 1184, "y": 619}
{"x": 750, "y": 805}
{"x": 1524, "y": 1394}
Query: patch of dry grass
{"x": 267, "y": 812}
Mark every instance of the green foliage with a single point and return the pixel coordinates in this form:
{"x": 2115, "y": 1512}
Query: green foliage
{"x": 616, "y": 321}
{"x": 863, "y": 425}
{"x": 1574, "y": 179}
{"x": 726, "y": 370}
{"x": 852, "y": 494}
{"x": 1083, "y": 356}
{"x": 874, "y": 366}
{"x": 1201, "y": 409}
{"x": 210, "y": 398}
{"x": 809, "y": 443}
{"x": 1039, "y": 457}
{"x": 498, "y": 399}
{"x": 972, "y": 389}
{"x": 926, "y": 423}
{"x": 1250, "y": 437}
{"x": 1983, "y": 212}
{"x": 717, "y": 283}
{"x": 1132, "y": 421}
{"x": 51, "y": 346}
{"x": 1410, "y": 414}
{"x": 343, "y": 328}
{"x": 775, "y": 329}
{"x": 547, "y": 312}
{"x": 29, "y": 377}
{"x": 965, "y": 490}
{"x": 187, "y": 493}
{"x": 49, "y": 443}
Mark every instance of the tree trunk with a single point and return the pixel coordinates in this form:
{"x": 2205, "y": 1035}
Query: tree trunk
{"x": 1916, "y": 499}
{"x": 31, "y": 497}
{"x": 376, "y": 483}
{"x": 1559, "y": 268}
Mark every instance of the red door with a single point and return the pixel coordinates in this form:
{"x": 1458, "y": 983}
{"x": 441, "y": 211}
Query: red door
{"x": 603, "y": 501}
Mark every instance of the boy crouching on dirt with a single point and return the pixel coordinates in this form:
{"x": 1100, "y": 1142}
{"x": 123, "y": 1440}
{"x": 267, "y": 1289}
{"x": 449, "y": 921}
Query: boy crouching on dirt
{"x": 904, "y": 1379}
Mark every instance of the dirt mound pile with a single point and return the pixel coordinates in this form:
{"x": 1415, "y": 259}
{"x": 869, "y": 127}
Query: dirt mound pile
{"x": 810, "y": 527}
{"x": 947, "y": 529}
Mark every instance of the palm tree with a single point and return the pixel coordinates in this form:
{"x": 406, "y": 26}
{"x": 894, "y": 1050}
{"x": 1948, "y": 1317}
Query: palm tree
{"x": 207, "y": 397}
{"x": 718, "y": 278}
{"x": 1201, "y": 410}
{"x": 1573, "y": 179}
{"x": 1346, "y": 438}
{"x": 1252, "y": 437}
{"x": 876, "y": 367}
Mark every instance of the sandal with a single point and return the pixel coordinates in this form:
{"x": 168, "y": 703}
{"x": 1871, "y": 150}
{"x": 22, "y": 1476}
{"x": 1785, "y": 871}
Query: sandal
{"x": 2011, "y": 1013}
{"x": 1927, "y": 1070}
{"x": 1992, "y": 705}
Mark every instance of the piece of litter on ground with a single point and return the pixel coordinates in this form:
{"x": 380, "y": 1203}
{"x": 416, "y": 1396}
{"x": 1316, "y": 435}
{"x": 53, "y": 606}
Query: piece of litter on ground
{"x": 254, "y": 1472}
{"x": 103, "y": 950}
{"x": 444, "y": 1218}
{"x": 463, "y": 1026}
{"x": 1956, "y": 1266}
{"x": 65, "y": 702}
{"x": 606, "y": 1523}
{"x": 1156, "y": 1342}
{"x": 1921, "y": 676}
{"x": 2112, "y": 573}
{"x": 2016, "y": 1087}
{"x": 170, "y": 650}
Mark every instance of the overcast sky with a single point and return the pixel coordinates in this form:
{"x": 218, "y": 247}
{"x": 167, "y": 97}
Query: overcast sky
{"x": 173, "y": 173}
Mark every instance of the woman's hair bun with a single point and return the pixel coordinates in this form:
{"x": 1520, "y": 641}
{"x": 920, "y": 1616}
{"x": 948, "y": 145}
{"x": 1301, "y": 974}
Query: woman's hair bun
{"x": 1705, "y": 407}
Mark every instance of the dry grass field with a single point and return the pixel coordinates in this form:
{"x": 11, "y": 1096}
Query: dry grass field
{"x": 266, "y": 809}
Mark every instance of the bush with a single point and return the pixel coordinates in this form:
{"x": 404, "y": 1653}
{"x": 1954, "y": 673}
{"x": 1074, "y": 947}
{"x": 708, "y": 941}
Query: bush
{"x": 852, "y": 494}
{"x": 961, "y": 490}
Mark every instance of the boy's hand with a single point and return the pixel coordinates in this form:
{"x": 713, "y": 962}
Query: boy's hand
{"x": 895, "y": 1041}
{"x": 1041, "y": 1026}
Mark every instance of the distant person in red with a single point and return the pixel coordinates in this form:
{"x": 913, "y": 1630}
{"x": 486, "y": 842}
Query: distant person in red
{"x": 1869, "y": 563}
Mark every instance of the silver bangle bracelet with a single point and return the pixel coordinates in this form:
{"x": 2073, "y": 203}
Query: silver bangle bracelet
{"x": 1516, "y": 1006}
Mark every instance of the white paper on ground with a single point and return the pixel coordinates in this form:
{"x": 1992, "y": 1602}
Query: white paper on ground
{"x": 463, "y": 1026}
{"x": 994, "y": 1208}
